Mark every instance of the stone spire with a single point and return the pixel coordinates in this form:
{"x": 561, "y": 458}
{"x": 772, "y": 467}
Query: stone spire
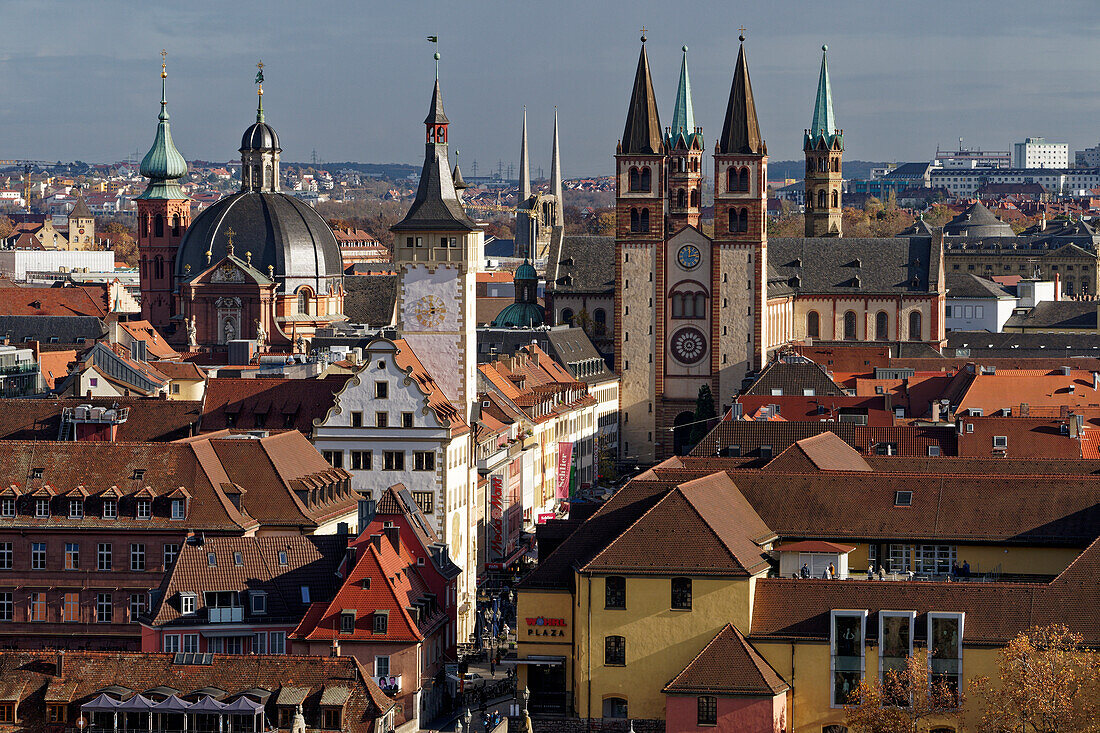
{"x": 437, "y": 205}
{"x": 642, "y": 134}
{"x": 740, "y": 131}
{"x": 524, "y": 164}
{"x": 163, "y": 165}
{"x": 683, "y": 114}
{"x": 555, "y": 178}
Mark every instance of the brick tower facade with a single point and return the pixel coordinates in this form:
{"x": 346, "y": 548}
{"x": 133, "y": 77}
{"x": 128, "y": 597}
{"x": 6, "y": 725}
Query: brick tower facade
{"x": 824, "y": 148}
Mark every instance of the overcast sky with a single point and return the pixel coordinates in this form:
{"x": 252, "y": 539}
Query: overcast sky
{"x": 352, "y": 80}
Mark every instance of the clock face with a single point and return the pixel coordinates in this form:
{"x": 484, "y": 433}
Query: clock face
{"x": 429, "y": 311}
{"x": 688, "y": 256}
{"x": 689, "y": 345}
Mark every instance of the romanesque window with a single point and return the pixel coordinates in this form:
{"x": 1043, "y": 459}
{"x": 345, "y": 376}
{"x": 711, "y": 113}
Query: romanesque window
{"x": 821, "y": 165}
{"x": 850, "y": 326}
{"x": 635, "y": 221}
{"x": 175, "y": 225}
{"x": 158, "y": 225}
{"x": 599, "y": 316}
{"x": 643, "y": 224}
{"x": 836, "y": 199}
{"x": 681, "y": 198}
{"x": 303, "y": 301}
{"x": 821, "y": 199}
{"x": 733, "y": 221}
{"x": 914, "y": 326}
{"x": 743, "y": 221}
{"x": 695, "y": 197}
{"x": 882, "y": 326}
{"x": 743, "y": 180}
{"x": 836, "y": 165}
{"x": 813, "y": 324}
{"x": 635, "y": 180}
{"x": 567, "y": 316}
{"x": 646, "y": 179}
{"x": 689, "y": 305}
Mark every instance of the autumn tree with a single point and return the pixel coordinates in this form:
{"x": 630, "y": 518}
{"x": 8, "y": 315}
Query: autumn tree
{"x": 1047, "y": 683}
{"x": 905, "y": 701}
{"x": 6, "y": 227}
{"x": 937, "y": 215}
{"x": 122, "y": 241}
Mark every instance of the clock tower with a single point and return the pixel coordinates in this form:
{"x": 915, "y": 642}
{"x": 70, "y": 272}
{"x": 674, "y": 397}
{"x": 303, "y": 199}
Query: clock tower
{"x": 437, "y": 248}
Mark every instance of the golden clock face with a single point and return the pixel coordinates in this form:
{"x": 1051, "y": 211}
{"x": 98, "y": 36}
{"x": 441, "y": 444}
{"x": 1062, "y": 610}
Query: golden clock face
{"x": 429, "y": 311}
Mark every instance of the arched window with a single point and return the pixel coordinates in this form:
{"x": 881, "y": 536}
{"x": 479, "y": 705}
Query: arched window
{"x": 731, "y": 179}
{"x": 158, "y": 267}
{"x": 821, "y": 165}
{"x": 614, "y": 707}
{"x": 599, "y": 316}
{"x": 813, "y": 324}
{"x": 850, "y": 326}
{"x": 733, "y": 221}
{"x": 634, "y": 221}
{"x": 743, "y": 180}
{"x": 681, "y": 198}
{"x": 175, "y": 225}
{"x": 836, "y": 165}
{"x": 743, "y": 221}
{"x": 914, "y": 326}
{"x": 677, "y": 305}
{"x": 567, "y": 316}
{"x": 635, "y": 180}
{"x": 882, "y": 326}
{"x": 145, "y": 224}
{"x": 809, "y": 166}
{"x": 644, "y": 223}
{"x": 695, "y": 197}
{"x": 303, "y": 301}
{"x": 158, "y": 225}
{"x": 836, "y": 199}
{"x": 700, "y": 305}
{"x": 646, "y": 182}
{"x": 821, "y": 199}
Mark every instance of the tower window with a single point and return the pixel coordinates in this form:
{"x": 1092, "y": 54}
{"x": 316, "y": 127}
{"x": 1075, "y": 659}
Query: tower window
{"x": 681, "y": 198}
{"x": 303, "y": 301}
{"x": 158, "y": 225}
{"x": 836, "y": 199}
{"x": 743, "y": 180}
{"x": 850, "y": 326}
{"x": 821, "y": 199}
{"x": 695, "y": 197}
{"x": 743, "y": 221}
{"x": 882, "y": 326}
{"x": 646, "y": 179}
{"x": 175, "y": 225}
{"x": 635, "y": 180}
{"x": 643, "y": 226}
{"x": 813, "y": 324}
{"x": 635, "y": 225}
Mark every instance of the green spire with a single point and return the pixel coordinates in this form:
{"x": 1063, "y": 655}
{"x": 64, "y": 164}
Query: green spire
{"x": 683, "y": 115}
{"x": 163, "y": 165}
{"x": 824, "y": 123}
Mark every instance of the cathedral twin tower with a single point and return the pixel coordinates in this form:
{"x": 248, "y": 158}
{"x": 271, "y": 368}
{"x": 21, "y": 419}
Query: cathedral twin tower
{"x": 691, "y": 309}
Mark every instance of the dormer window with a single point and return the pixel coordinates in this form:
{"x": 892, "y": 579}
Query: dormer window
{"x": 347, "y": 622}
{"x": 36, "y": 472}
{"x": 110, "y": 509}
{"x": 42, "y": 508}
{"x": 381, "y": 622}
{"x": 179, "y": 509}
{"x": 7, "y": 507}
{"x": 259, "y": 603}
{"x": 76, "y": 509}
{"x": 903, "y": 498}
{"x": 188, "y": 604}
{"x": 138, "y": 474}
{"x": 144, "y": 508}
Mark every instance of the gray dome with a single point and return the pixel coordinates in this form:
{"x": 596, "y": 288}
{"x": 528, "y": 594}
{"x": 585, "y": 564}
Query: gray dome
{"x": 977, "y": 221}
{"x": 279, "y": 230}
{"x": 260, "y": 136}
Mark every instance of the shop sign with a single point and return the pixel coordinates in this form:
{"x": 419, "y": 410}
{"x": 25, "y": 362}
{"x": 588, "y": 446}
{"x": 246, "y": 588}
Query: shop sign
{"x": 542, "y": 626}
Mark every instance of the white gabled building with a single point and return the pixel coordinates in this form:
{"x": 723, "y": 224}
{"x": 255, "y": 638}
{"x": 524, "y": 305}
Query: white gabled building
{"x": 392, "y": 424}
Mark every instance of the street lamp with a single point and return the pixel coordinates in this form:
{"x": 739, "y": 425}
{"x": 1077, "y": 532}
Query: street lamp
{"x": 525, "y": 697}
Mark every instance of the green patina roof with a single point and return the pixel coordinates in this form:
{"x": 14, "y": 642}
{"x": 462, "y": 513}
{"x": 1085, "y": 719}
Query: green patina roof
{"x": 523, "y": 315}
{"x": 163, "y": 164}
{"x": 824, "y": 123}
{"x": 683, "y": 114}
{"x": 526, "y": 271}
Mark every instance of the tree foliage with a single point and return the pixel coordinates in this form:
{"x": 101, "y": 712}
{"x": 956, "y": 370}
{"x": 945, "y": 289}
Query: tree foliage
{"x": 123, "y": 241}
{"x": 6, "y": 227}
{"x": 704, "y": 413}
{"x": 905, "y": 701}
{"x": 1047, "y": 683}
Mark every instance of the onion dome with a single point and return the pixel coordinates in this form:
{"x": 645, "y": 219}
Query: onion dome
{"x": 163, "y": 165}
{"x": 525, "y": 312}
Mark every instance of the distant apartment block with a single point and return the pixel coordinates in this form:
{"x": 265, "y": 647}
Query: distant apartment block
{"x": 1036, "y": 152}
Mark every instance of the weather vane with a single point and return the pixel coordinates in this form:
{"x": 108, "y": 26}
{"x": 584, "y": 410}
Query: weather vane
{"x": 163, "y": 63}
{"x": 260, "y": 78}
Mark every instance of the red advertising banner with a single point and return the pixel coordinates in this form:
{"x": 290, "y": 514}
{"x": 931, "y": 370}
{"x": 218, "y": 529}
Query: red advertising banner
{"x": 496, "y": 491}
{"x": 565, "y": 462}
{"x": 545, "y": 517}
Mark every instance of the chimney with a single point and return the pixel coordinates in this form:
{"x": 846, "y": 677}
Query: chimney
{"x": 61, "y": 663}
{"x": 393, "y": 534}
{"x": 1025, "y": 409}
{"x": 376, "y": 540}
{"x": 1074, "y": 426}
{"x": 335, "y": 650}
{"x": 1065, "y": 371}
{"x": 1096, "y": 381}
{"x": 935, "y": 410}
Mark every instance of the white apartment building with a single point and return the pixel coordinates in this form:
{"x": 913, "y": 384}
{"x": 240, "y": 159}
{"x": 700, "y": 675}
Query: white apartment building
{"x": 392, "y": 424}
{"x": 1062, "y": 182}
{"x": 1036, "y": 152}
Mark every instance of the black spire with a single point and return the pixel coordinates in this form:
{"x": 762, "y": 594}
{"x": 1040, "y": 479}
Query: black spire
{"x": 740, "y": 131}
{"x": 643, "y": 125}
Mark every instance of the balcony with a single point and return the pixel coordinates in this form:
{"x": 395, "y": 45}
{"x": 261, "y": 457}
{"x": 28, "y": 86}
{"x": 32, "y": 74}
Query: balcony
{"x": 490, "y": 462}
{"x": 16, "y": 369}
{"x": 225, "y": 615}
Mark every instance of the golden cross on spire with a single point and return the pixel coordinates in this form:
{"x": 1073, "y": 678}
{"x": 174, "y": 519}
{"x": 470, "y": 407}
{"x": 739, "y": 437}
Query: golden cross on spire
{"x": 643, "y": 34}
{"x": 163, "y": 63}
{"x": 742, "y": 29}
{"x": 229, "y": 234}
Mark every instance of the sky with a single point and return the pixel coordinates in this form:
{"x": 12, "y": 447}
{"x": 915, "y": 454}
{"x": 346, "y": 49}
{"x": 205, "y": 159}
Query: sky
{"x": 352, "y": 80}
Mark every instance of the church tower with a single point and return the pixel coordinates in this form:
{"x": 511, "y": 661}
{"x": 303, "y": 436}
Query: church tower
{"x": 437, "y": 248}
{"x": 81, "y": 225}
{"x": 164, "y": 213}
{"x": 824, "y": 147}
{"x": 640, "y": 209}
{"x": 740, "y": 238}
{"x": 684, "y": 142}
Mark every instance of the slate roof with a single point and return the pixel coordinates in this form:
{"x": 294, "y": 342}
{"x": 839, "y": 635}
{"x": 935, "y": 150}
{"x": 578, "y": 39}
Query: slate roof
{"x": 286, "y": 404}
{"x": 1056, "y": 314}
{"x": 149, "y": 420}
{"x": 642, "y": 134}
{"x": 728, "y": 665}
{"x": 910, "y": 170}
{"x": 833, "y": 265}
{"x": 312, "y": 561}
{"x": 66, "y": 329}
{"x": 792, "y": 378}
{"x": 572, "y": 348}
{"x": 977, "y": 221}
{"x": 581, "y": 265}
{"x": 370, "y": 299}
{"x": 740, "y": 129}
{"x": 969, "y": 285}
{"x": 984, "y": 345}
{"x": 31, "y": 673}
{"x": 1028, "y": 247}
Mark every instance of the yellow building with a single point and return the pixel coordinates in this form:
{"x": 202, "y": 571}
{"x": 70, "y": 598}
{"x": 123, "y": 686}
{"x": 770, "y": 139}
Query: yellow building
{"x": 633, "y": 614}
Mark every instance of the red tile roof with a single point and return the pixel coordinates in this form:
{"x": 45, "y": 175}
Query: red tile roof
{"x": 728, "y": 665}
{"x": 148, "y": 419}
{"x": 69, "y": 301}
{"x": 155, "y": 344}
{"x": 823, "y": 452}
{"x": 284, "y": 403}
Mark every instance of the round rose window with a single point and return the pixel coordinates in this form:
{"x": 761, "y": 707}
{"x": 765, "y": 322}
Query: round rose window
{"x": 689, "y": 345}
